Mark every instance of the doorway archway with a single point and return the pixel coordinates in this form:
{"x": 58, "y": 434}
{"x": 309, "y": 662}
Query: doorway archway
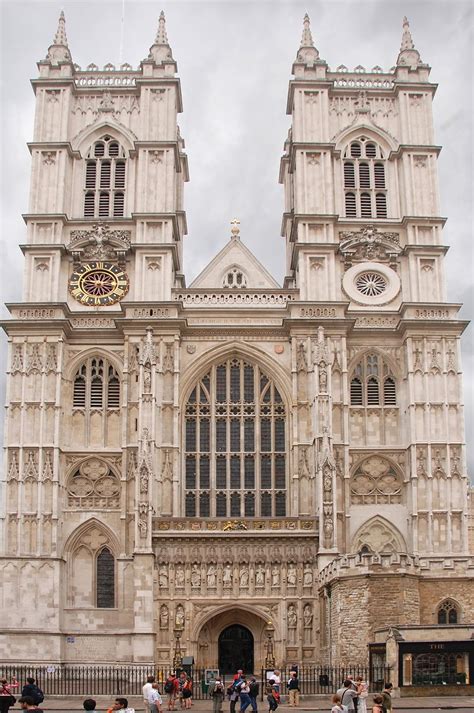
{"x": 236, "y": 649}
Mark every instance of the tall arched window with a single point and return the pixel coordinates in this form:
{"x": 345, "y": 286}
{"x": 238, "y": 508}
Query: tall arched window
{"x": 448, "y": 612}
{"x": 235, "y": 444}
{"x": 105, "y": 579}
{"x": 365, "y": 194}
{"x": 96, "y": 386}
{"x": 104, "y": 190}
{"x": 372, "y": 383}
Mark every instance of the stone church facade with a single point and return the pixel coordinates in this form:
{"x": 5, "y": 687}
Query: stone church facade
{"x": 181, "y": 460}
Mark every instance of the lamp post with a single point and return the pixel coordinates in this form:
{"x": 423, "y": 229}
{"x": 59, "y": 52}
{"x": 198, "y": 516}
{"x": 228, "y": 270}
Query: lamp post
{"x": 177, "y": 657}
{"x": 269, "y": 650}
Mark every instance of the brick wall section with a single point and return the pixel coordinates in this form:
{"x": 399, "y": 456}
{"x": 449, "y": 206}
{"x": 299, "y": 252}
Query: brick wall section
{"x": 433, "y": 591}
{"x": 360, "y": 605}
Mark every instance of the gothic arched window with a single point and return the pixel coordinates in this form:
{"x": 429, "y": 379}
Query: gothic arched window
{"x": 235, "y": 444}
{"x": 105, "y": 579}
{"x": 372, "y": 383}
{"x": 448, "y": 612}
{"x": 96, "y": 386}
{"x": 235, "y": 279}
{"x": 365, "y": 194}
{"x": 104, "y": 189}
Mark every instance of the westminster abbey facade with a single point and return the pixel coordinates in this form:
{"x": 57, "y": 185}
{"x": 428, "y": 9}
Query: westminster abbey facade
{"x": 233, "y": 460}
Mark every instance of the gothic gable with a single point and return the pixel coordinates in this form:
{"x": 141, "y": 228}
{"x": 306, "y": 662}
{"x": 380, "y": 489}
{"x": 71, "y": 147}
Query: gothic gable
{"x": 235, "y": 266}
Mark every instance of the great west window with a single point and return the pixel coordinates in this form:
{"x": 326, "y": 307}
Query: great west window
{"x": 235, "y": 444}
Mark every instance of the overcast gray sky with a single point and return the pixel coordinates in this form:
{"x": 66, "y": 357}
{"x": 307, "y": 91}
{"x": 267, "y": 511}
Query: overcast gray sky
{"x": 234, "y": 60}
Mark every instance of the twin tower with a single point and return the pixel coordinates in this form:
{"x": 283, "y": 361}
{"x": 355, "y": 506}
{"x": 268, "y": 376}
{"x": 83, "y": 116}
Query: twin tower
{"x": 234, "y": 461}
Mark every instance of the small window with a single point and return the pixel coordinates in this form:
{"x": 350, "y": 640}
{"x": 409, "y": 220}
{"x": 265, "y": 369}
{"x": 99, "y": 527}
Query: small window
{"x": 119, "y": 200}
{"x": 370, "y": 150}
{"x": 105, "y": 579}
{"x": 379, "y": 174}
{"x": 113, "y": 148}
{"x": 350, "y": 205}
{"x": 389, "y": 392}
{"x": 364, "y": 175}
{"x": 113, "y": 391}
{"x": 355, "y": 150}
{"x": 79, "y": 397}
{"x": 105, "y": 174}
{"x": 365, "y": 205}
{"x": 349, "y": 175}
{"x": 99, "y": 149}
{"x": 190, "y": 506}
{"x": 91, "y": 174}
{"x": 373, "y": 392}
{"x": 89, "y": 205}
{"x": 120, "y": 174}
{"x": 104, "y": 200}
{"x": 356, "y": 392}
{"x": 381, "y": 205}
{"x": 448, "y": 613}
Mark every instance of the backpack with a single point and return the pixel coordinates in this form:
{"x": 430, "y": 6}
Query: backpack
{"x": 230, "y": 689}
{"x": 169, "y": 686}
{"x": 39, "y": 696}
{"x": 253, "y": 689}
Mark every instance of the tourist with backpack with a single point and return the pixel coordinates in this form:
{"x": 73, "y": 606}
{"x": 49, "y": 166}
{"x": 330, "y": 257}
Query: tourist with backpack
{"x": 253, "y": 693}
{"x": 32, "y": 690}
{"x": 171, "y": 688}
{"x": 216, "y": 692}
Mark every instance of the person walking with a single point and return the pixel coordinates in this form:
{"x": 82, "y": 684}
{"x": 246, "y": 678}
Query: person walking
{"x": 293, "y": 690}
{"x": 347, "y": 695}
{"x": 171, "y": 689}
{"x": 32, "y": 690}
{"x": 187, "y": 692}
{"x": 147, "y": 688}
{"x": 245, "y": 700}
{"x": 216, "y": 692}
{"x": 7, "y": 699}
{"x": 387, "y": 697}
{"x": 253, "y": 693}
{"x": 362, "y": 694}
{"x": 155, "y": 700}
{"x": 235, "y": 691}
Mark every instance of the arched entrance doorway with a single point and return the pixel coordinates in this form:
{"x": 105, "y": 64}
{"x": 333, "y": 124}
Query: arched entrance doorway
{"x": 236, "y": 649}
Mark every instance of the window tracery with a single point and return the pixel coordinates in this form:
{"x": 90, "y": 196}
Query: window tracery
{"x": 96, "y": 386}
{"x": 235, "y": 279}
{"x": 93, "y": 485}
{"x": 235, "y": 444}
{"x": 376, "y": 481}
{"x": 448, "y": 612}
{"x": 104, "y": 187}
{"x": 372, "y": 383}
{"x": 365, "y": 194}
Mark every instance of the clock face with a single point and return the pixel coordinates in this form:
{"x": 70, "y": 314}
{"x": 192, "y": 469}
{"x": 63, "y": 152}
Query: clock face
{"x": 98, "y": 284}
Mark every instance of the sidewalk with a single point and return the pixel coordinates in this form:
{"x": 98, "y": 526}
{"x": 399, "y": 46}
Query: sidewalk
{"x": 311, "y": 703}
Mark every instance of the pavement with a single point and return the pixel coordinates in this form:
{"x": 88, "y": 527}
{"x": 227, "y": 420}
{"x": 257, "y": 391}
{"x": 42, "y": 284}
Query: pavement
{"x": 60, "y": 704}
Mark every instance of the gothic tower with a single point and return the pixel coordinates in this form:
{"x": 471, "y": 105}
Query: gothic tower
{"x": 234, "y": 466}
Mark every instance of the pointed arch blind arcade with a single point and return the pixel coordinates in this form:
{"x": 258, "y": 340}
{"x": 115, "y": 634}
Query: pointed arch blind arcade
{"x": 235, "y": 444}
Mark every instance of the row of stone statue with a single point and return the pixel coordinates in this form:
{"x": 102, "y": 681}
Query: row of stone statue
{"x": 231, "y": 574}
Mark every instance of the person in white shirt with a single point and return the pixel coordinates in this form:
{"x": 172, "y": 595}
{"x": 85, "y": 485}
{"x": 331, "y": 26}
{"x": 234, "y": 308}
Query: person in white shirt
{"x": 155, "y": 701}
{"x": 146, "y": 692}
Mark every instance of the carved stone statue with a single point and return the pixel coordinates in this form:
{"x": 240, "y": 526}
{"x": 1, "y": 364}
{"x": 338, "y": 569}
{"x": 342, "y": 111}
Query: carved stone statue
{"x": 179, "y": 577}
{"x": 227, "y": 576}
{"x": 195, "y": 577}
{"x": 164, "y": 617}
{"x": 244, "y": 577}
{"x": 291, "y": 575}
{"x": 292, "y": 617}
{"x": 307, "y": 576}
{"x": 260, "y": 576}
{"x": 211, "y": 576}
{"x": 275, "y": 577}
{"x": 307, "y": 616}
{"x": 179, "y": 617}
{"x": 163, "y": 578}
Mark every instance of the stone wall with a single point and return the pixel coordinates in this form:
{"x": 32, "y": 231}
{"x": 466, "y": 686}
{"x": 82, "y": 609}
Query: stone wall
{"x": 433, "y": 591}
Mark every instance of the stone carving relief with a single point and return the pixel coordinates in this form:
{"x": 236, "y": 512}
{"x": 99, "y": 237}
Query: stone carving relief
{"x": 211, "y": 576}
{"x": 308, "y": 624}
{"x": 95, "y": 104}
{"x": 301, "y": 363}
{"x": 260, "y": 576}
{"x": 163, "y": 578}
{"x": 179, "y": 577}
{"x": 30, "y": 470}
{"x": 275, "y": 576}
{"x": 168, "y": 359}
{"x": 303, "y": 463}
{"x": 93, "y": 485}
{"x": 143, "y": 510}
{"x": 164, "y": 617}
{"x": 47, "y": 473}
{"x": 195, "y": 576}
{"x": 244, "y": 577}
{"x": 99, "y": 243}
{"x": 34, "y": 364}
{"x": 307, "y": 576}
{"x": 227, "y": 576}
{"x": 13, "y": 470}
{"x": 375, "y": 480}
{"x": 50, "y": 362}
{"x": 291, "y": 576}
{"x": 378, "y": 536}
{"x": 369, "y": 245}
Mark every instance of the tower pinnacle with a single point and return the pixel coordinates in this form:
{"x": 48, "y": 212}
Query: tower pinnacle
{"x": 161, "y": 36}
{"x": 160, "y": 50}
{"x": 306, "y": 37}
{"x": 307, "y": 53}
{"x": 59, "y": 50}
{"x": 408, "y": 55}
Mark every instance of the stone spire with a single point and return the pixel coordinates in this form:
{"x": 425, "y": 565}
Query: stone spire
{"x": 161, "y": 36}
{"x": 59, "y": 50}
{"x": 408, "y": 55}
{"x": 306, "y": 37}
{"x": 307, "y": 52}
{"x": 160, "y": 50}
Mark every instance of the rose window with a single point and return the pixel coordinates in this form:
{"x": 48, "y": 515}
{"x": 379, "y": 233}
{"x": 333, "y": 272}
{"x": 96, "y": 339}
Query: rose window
{"x": 371, "y": 284}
